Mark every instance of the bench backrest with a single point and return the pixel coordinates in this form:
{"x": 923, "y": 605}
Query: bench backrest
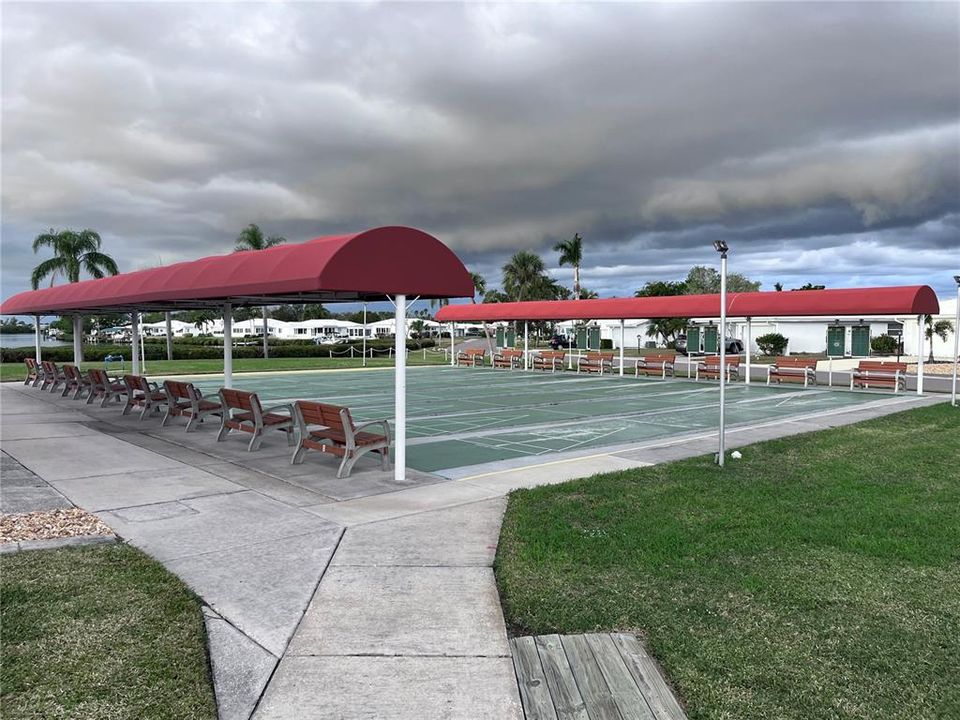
{"x": 795, "y": 362}
{"x": 31, "y": 364}
{"x": 49, "y": 367}
{"x": 714, "y": 360}
{"x": 71, "y": 372}
{"x": 510, "y": 352}
{"x": 136, "y": 382}
{"x": 240, "y": 400}
{"x": 658, "y": 358}
{"x": 332, "y": 416}
{"x": 474, "y": 351}
{"x": 552, "y": 354}
{"x": 98, "y": 377}
{"x": 177, "y": 390}
{"x": 881, "y": 366}
{"x": 599, "y": 356}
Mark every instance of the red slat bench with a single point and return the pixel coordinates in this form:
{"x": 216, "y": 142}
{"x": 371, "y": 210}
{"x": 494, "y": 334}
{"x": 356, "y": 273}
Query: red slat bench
{"x": 104, "y": 386}
{"x": 338, "y": 435}
{"x": 508, "y": 358}
{"x": 876, "y": 373}
{"x": 53, "y": 376}
{"x": 75, "y": 380}
{"x": 471, "y": 356}
{"x": 551, "y": 360}
{"x": 143, "y": 394}
{"x": 793, "y": 369}
{"x": 185, "y": 399}
{"x": 596, "y": 362}
{"x": 709, "y": 367}
{"x": 242, "y": 411}
{"x": 656, "y": 364}
{"x": 34, "y": 374}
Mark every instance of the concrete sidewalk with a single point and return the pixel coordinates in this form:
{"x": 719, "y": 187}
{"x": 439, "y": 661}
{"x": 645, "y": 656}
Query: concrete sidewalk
{"x": 325, "y": 598}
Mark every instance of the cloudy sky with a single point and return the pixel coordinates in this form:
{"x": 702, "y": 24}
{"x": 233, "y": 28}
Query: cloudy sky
{"x": 822, "y": 141}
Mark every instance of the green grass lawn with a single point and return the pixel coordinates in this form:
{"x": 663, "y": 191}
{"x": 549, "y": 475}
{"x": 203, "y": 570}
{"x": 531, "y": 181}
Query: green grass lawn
{"x": 10, "y": 372}
{"x": 100, "y": 632}
{"x": 818, "y": 577}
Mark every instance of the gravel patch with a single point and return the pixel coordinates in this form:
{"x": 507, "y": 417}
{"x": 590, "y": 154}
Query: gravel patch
{"x": 934, "y": 369}
{"x": 50, "y": 524}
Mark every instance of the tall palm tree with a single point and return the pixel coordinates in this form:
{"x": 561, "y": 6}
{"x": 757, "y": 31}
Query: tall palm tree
{"x": 940, "y": 328}
{"x": 524, "y": 275}
{"x": 480, "y": 288}
{"x": 252, "y": 238}
{"x": 73, "y": 252}
{"x": 571, "y": 253}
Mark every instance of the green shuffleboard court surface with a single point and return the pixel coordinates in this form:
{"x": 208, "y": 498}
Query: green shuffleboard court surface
{"x": 459, "y": 417}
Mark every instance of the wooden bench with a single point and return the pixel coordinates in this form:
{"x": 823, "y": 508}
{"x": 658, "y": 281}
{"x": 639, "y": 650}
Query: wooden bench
{"x": 551, "y": 360}
{"x": 472, "y": 356}
{"x": 338, "y": 435}
{"x": 74, "y": 380}
{"x": 53, "y": 376}
{"x": 596, "y": 362}
{"x": 793, "y": 369}
{"x": 508, "y": 358}
{"x": 242, "y": 411}
{"x": 104, "y": 386}
{"x": 143, "y": 394}
{"x": 185, "y": 399}
{"x": 709, "y": 367}
{"x": 875, "y": 373}
{"x": 656, "y": 364}
{"x": 34, "y": 374}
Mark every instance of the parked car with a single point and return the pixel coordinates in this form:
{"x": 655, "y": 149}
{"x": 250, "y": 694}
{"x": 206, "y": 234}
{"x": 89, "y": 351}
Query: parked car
{"x": 330, "y": 339}
{"x": 561, "y": 341}
{"x": 734, "y": 345}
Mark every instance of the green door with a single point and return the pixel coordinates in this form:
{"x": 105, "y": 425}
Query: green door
{"x": 710, "y": 340}
{"x": 593, "y": 338}
{"x": 511, "y": 338}
{"x": 693, "y": 340}
{"x": 836, "y": 341}
{"x": 581, "y": 338}
{"x": 860, "y": 340}
{"x": 500, "y": 337}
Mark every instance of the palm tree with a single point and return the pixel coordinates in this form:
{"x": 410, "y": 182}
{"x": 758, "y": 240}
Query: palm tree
{"x": 571, "y": 253}
{"x": 480, "y": 288}
{"x": 524, "y": 276}
{"x": 252, "y": 238}
{"x": 73, "y": 252}
{"x": 940, "y": 328}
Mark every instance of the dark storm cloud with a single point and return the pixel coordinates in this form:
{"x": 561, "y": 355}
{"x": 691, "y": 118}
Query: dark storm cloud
{"x": 821, "y": 140}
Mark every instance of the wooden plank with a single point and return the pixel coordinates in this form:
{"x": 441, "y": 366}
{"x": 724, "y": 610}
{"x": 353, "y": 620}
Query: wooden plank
{"x": 534, "y": 693}
{"x": 647, "y": 675}
{"x": 563, "y": 689}
{"x": 623, "y": 688}
{"x": 593, "y": 686}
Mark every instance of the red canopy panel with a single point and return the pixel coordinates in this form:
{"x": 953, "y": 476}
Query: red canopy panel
{"x": 860, "y": 302}
{"x": 365, "y": 266}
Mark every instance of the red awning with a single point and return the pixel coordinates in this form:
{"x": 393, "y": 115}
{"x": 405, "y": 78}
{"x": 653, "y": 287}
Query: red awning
{"x": 366, "y": 266}
{"x": 859, "y": 302}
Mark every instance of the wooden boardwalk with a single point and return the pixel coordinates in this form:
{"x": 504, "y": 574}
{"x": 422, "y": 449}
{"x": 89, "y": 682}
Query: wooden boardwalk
{"x": 591, "y": 677}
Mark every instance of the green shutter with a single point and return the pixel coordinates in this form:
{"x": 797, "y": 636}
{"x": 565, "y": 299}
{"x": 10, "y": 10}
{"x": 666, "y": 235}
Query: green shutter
{"x": 593, "y": 338}
{"x": 836, "y": 341}
{"x": 710, "y": 346}
{"x": 581, "y": 338}
{"x": 860, "y": 340}
{"x": 693, "y": 340}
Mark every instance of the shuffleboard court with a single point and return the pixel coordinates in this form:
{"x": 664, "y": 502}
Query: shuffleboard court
{"x": 459, "y": 417}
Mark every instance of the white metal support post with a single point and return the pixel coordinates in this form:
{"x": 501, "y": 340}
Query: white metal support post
{"x": 453, "y": 347}
{"x": 956, "y": 347}
{"x": 400, "y": 390}
{"x": 747, "y": 348}
{"x": 77, "y": 340}
{"x": 266, "y": 334}
{"x": 920, "y": 354}
{"x": 168, "y": 318}
{"x": 227, "y": 345}
{"x": 36, "y": 336}
{"x": 135, "y": 342}
{"x": 364, "y": 364}
{"x": 623, "y": 324}
{"x": 526, "y": 343}
{"x": 721, "y": 247}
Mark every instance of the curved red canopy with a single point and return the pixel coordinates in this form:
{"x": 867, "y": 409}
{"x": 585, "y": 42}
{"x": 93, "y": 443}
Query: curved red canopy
{"x": 345, "y": 268}
{"x": 908, "y": 300}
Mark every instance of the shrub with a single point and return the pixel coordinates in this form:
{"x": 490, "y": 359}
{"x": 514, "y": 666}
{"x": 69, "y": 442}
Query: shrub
{"x": 606, "y": 344}
{"x": 884, "y": 345}
{"x": 772, "y": 344}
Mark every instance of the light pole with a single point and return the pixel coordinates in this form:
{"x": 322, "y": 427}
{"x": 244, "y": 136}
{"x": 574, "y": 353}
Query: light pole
{"x": 956, "y": 347}
{"x": 721, "y": 247}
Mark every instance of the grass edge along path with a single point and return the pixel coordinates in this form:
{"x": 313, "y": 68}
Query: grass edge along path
{"x": 815, "y": 578}
{"x": 100, "y": 632}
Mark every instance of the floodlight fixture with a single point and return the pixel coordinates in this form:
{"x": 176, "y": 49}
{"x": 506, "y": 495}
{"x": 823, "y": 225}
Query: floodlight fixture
{"x": 721, "y": 247}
